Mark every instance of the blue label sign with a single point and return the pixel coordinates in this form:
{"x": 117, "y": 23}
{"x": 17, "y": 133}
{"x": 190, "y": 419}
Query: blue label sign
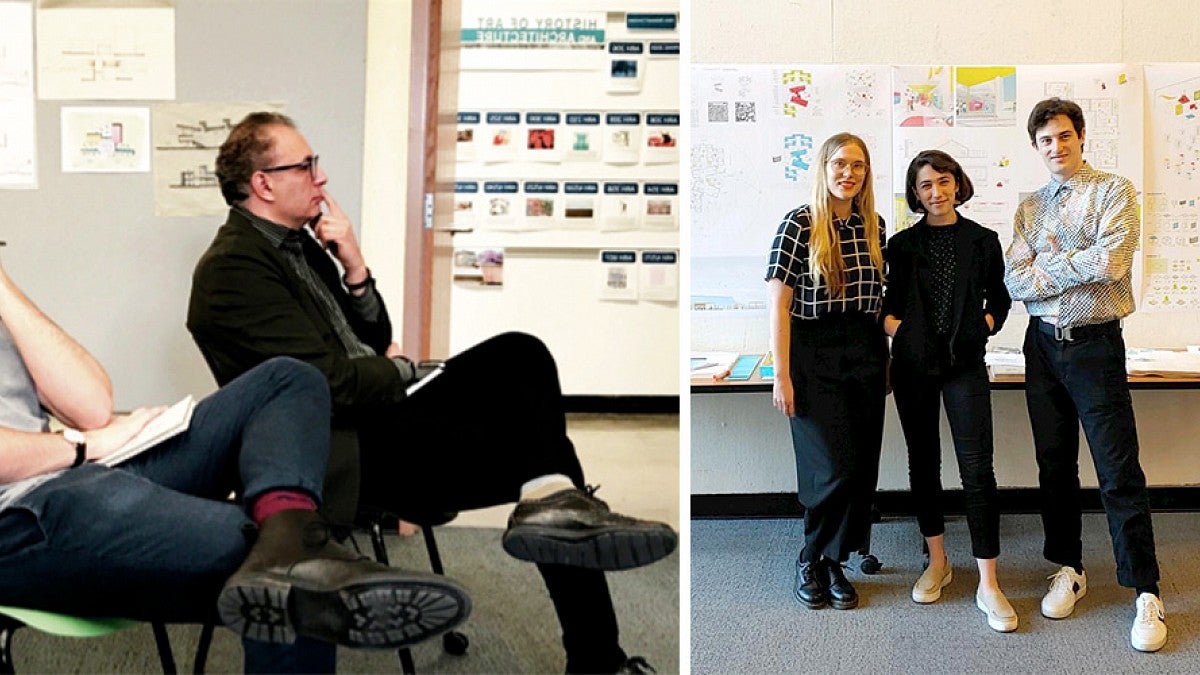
{"x": 661, "y": 188}
{"x": 659, "y": 257}
{"x": 581, "y": 188}
{"x": 468, "y": 118}
{"x": 583, "y": 118}
{"x": 466, "y": 186}
{"x": 504, "y": 118}
{"x": 650, "y": 21}
{"x": 667, "y": 120}
{"x": 620, "y": 188}
{"x": 496, "y": 186}
{"x": 542, "y": 118}
{"x": 625, "y": 48}
{"x": 664, "y": 49}
{"x": 532, "y": 187}
{"x": 618, "y": 256}
{"x": 623, "y": 118}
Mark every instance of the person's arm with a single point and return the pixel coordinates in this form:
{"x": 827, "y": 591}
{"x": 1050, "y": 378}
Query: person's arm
{"x": 244, "y": 311}
{"x": 1109, "y": 259}
{"x": 782, "y": 394}
{"x": 895, "y": 293}
{"x": 1024, "y": 279}
{"x": 70, "y": 383}
{"x": 24, "y": 454}
{"x": 996, "y": 301}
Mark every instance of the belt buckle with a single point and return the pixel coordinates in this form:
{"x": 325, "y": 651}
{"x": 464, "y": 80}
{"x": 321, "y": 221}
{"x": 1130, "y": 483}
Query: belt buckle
{"x": 1062, "y": 334}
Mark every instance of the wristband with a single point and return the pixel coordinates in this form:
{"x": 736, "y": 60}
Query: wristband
{"x": 360, "y": 285}
{"x": 80, "y": 442}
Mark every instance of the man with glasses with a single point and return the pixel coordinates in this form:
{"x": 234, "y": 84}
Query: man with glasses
{"x": 490, "y": 429}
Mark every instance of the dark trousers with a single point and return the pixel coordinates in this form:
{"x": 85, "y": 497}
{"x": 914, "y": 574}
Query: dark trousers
{"x": 967, "y": 396}
{"x": 492, "y": 421}
{"x": 837, "y": 367}
{"x": 1084, "y": 381}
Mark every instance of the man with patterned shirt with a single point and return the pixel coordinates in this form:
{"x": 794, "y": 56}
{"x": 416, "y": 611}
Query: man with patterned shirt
{"x": 1070, "y": 261}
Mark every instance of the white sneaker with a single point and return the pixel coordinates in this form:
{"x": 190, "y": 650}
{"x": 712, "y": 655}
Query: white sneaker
{"x": 1149, "y": 632}
{"x": 1000, "y": 614}
{"x": 1066, "y": 588}
{"x": 929, "y": 586}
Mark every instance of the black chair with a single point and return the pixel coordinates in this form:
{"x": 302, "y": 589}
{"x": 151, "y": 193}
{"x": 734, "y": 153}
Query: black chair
{"x": 376, "y": 522}
{"x": 13, "y": 619}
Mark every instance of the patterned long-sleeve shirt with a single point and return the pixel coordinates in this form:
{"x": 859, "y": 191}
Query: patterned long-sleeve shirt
{"x": 1071, "y": 256}
{"x": 863, "y": 290}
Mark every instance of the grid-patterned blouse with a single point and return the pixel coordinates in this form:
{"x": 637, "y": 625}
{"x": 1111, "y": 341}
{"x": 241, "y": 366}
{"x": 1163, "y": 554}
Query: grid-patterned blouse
{"x": 863, "y": 290}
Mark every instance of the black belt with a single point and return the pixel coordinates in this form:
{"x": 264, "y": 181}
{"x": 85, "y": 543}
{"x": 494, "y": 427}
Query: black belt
{"x": 1078, "y": 332}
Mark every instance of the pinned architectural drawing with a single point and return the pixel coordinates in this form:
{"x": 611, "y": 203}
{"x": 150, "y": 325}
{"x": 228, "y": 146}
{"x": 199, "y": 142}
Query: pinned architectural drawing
{"x": 186, "y": 139}
{"x": 106, "y": 50}
{"x": 105, "y": 140}
{"x": 18, "y": 153}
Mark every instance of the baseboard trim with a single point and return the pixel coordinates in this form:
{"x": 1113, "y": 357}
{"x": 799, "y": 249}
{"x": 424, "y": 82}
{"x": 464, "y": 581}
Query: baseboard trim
{"x": 900, "y": 502}
{"x": 622, "y": 404}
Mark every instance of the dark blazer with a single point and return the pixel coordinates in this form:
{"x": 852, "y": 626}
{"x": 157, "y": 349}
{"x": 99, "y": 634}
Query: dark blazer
{"x": 247, "y": 305}
{"x": 978, "y": 290}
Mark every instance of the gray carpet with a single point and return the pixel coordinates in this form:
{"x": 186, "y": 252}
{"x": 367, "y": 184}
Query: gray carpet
{"x": 512, "y": 627}
{"x": 744, "y": 618}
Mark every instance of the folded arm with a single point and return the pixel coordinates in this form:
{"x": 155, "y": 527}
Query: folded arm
{"x": 70, "y": 383}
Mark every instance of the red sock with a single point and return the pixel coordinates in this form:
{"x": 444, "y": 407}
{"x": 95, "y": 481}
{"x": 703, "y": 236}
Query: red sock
{"x": 274, "y": 501}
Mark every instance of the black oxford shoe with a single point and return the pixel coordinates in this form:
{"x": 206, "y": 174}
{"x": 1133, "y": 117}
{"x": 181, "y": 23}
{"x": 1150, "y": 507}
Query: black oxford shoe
{"x": 841, "y": 594}
{"x": 810, "y": 588}
{"x": 573, "y": 527}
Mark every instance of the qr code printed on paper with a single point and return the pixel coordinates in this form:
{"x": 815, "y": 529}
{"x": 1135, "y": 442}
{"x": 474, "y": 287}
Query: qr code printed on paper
{"x": 743, "y": 111}
{"x": 718, "y": 111}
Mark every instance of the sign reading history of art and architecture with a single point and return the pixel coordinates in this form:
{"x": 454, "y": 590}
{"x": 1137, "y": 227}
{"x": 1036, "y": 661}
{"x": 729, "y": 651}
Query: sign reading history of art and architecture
{"x": 511, "y": 36}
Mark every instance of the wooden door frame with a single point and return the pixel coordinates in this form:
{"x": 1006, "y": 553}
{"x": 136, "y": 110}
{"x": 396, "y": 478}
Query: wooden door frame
{"x": 422, "y": 163}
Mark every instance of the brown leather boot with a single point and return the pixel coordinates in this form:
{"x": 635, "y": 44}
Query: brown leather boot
{"x": 296, "y": 581}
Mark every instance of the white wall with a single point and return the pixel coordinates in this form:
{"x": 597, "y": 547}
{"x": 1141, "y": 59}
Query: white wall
{"x": 739, "y": 443}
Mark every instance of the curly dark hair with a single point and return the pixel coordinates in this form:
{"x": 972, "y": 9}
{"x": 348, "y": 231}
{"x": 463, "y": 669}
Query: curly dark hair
{"x": 1050, "y": 108}
{"x": 244, "y": 151}
{"x": 942, "y": 163}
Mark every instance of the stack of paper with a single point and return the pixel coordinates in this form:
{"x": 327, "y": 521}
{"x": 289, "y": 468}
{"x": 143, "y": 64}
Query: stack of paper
{"x": 709, "y": 365}
{"x": 1005, "y": 363}
{"x": 1162, "y": 363}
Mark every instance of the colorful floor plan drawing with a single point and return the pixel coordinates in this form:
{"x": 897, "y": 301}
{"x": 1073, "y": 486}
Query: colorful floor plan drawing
{"x": 106, "y": 141}
{"x": 985, "y": 96}
{"x": 1177, "y": 106}
{"x": 922, "y": 96}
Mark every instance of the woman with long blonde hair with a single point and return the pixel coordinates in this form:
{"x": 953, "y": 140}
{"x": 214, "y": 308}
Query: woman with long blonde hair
{"x": 825, "y": 278}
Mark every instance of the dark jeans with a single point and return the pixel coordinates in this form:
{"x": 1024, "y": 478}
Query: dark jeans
{"x": 492, "y": 421}
{"x": 155, "y": 538}
{"x": 967, "y": 396}
{"x": 837, "y": 365}
{"x": 1084, "y": 381}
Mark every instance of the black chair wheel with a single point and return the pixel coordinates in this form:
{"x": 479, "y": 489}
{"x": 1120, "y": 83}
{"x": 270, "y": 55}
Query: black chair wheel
{"x": 455, "y": 643}
{"x": 870, "y": 564}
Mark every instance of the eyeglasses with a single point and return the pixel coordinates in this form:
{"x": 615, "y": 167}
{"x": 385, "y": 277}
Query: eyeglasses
{"x": 856, "y": 168}
{"x": 309, "y": 164}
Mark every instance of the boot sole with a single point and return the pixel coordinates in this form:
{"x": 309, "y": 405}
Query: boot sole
{"x": 608, "y": 549}
{"x": 818, "y": 604}
{"x": 387, "y": 613}
{"x": 843, "y": 604}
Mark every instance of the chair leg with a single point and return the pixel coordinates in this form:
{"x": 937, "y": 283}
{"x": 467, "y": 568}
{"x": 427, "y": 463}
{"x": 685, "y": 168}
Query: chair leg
{"x": 6, "y": 659}
{"x": 406, "y": 662}
{"x": 435, "y": 558}
{"x": 381, "y": 555}
{"x": 206, "y": 634}
{"x": 164, "y": 647}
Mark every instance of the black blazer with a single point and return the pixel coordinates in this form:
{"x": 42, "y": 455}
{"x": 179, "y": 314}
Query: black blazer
{"x": 247, "y": 305}
{"x": 978, "y": 290}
